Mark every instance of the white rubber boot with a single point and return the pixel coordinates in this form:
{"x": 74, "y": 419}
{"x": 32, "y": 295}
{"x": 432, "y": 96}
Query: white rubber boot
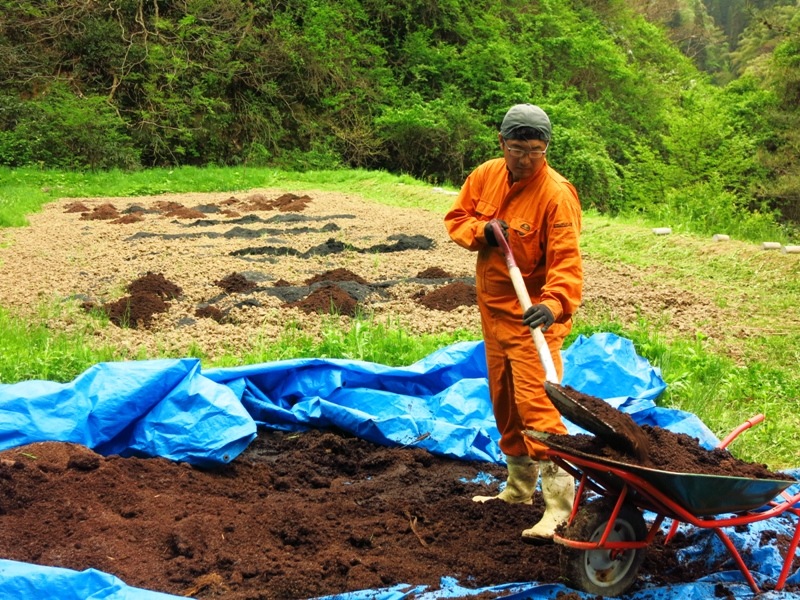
{"x": 558, "y": 489}
{"x": 523, "y": 473}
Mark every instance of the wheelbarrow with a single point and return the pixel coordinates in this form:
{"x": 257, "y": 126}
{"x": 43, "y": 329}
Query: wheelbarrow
{"x": 604, "y": 542}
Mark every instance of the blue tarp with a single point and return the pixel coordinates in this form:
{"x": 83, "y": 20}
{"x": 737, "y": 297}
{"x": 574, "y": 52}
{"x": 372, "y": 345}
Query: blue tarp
{"x": 169, "y": 408}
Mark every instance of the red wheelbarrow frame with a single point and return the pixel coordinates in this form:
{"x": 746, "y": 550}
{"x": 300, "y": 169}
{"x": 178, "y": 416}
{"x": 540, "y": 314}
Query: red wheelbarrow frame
{"x": 594, "y": 475}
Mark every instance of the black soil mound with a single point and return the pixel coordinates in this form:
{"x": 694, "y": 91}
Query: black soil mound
{"x": 329, "y": 299}
{"x": 449, "y": 297}
{"x": 235, "y": 283}
{"x": 155, "y": 283}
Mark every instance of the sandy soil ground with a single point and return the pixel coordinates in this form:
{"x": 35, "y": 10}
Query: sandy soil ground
{"x": 79, "y": 251}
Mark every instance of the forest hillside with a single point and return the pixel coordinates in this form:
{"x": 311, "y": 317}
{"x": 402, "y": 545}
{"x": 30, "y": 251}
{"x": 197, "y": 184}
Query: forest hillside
{"x": 660, "y": 108}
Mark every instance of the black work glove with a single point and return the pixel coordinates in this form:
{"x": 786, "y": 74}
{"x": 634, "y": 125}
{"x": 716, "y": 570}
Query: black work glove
{"x": 488, "y": 231}
{"x": 538, "y": 314}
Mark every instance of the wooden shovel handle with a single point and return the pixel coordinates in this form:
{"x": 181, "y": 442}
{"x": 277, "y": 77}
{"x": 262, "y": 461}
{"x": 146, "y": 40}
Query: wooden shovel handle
{"x": 525, "y": 301}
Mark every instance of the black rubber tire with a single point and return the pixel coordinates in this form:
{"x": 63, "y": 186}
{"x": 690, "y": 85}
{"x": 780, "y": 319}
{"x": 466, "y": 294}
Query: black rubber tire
{"x": 594, "y": 571}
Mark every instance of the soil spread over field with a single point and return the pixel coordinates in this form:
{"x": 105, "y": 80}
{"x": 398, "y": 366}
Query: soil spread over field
{"x": 297, "y": 515}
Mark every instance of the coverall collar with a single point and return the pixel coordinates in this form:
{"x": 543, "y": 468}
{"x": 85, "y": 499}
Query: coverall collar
{"x": 523, "y": 182}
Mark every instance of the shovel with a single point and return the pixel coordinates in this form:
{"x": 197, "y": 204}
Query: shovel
{"x": 616, "y": 428}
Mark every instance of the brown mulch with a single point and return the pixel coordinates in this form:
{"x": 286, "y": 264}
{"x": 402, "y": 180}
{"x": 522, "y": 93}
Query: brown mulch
{"x": 104, "y": 212}
{"x": 328, "y": 299}
{"x": 185, "y": 213}
{"x": 283, "y": 203}
{"x": 235, "y": 283}
{"x": 297, "y": 515}
{"x": 155, "y": 283}
{"x": 337, "y": 275}
{"x": 450, "y": 296}
{"x": 434, "y": 273}
{"x": 76, "y": 207}
{"x": 135, "y": 311}
{"x": 133, "y": 217}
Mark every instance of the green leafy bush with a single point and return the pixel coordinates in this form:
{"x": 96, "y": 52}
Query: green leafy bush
{"x": 61, "y": 130}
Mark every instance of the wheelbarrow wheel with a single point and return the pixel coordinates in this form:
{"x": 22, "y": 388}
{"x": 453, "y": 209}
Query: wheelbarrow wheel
{"x": 603, "y": 572}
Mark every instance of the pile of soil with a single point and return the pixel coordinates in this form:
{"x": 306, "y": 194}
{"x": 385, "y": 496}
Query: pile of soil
{"x": 211, "y": 312}
{"x": 297, "y": 515}
{"x": 676, "y": 453}
{"x": 235, "y": 283}
{"x": 185, "y": 213}
{"x": 328, "y": 299}
{"x": 135, "y": 311}
{"x": 336, "y": 275}
{"x": 449, "y": 297}
{"x": 155, "y": 283}
{"x": 283, "y": 203}
{"x": 281, "y": 283}
{"x": 104, "y": 212}
{"x": 133, "y": 217}
{"x": 166, "y": 207}
{"x": 76, "y": 207}
{"x": 665, "y": 450}
{"x": 434, "y": 273}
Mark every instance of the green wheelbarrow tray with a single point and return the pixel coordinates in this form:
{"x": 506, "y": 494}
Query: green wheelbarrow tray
{"x": 701, "y": 495}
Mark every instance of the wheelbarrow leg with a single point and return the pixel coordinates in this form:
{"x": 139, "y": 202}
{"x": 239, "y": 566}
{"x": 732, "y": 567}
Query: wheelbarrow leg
{"x": 787, "y": 562}
{"x": 737, "y": 557}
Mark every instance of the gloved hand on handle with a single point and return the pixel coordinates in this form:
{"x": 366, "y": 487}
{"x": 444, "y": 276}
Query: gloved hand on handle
{"x": 538, "y": 314}
{"x": 488, "y": 232}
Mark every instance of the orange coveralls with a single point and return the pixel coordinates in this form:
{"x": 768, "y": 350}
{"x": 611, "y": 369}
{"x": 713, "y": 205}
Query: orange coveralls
{"x": 544, "y": 217}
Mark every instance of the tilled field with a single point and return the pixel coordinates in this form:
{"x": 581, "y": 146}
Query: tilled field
{"x": 232, "y": 270}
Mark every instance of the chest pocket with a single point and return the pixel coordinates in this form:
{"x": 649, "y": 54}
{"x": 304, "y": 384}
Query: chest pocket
{"x": 485, "y": 209}
{"x": 526, "y": 244}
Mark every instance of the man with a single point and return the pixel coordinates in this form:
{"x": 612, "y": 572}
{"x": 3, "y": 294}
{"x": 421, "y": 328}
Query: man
{"x": 540, "y": 216}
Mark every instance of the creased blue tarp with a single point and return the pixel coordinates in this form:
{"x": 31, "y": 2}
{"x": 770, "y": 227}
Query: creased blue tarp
{"x": 148, "y": 408}
{"x": 169, "y": 408}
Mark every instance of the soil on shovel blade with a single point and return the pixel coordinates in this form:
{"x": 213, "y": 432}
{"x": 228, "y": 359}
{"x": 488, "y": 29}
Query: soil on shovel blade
{"x": 297, "y": 515}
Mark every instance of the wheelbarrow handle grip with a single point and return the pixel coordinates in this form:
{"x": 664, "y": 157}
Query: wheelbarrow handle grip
{"x": 744, "y": 426}
{"x": 525, "y": 300}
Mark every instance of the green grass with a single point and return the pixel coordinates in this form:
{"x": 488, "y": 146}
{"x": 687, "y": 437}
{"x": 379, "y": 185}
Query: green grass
{"x": 723, "y": 384}
{"x": 23, "y": 191}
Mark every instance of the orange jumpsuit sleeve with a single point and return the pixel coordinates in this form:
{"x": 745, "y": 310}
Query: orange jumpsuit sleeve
{"x": 563, "y": 285}
{"x": 463, "y": 221}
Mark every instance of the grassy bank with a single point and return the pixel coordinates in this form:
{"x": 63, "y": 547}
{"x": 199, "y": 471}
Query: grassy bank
{"x": 724, "y": 383}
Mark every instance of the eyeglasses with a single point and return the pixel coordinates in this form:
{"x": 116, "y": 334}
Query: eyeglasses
{"x": 519, "y": 152}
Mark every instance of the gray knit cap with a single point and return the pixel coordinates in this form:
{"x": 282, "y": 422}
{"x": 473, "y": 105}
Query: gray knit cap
{"x": 526, "y": 115}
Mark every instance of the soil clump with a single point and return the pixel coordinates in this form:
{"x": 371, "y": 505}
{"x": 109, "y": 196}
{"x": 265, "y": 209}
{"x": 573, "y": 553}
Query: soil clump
{"x": 104, "y": 212}
{"x": 129, "y": 218}
{"x": 449, "y": 297}
{"x": 434, "y": 273}
{"x": 337, "y": 275}
{"x": 328, "y": 299}
{"x": 283, "y": 203}
{"x": 235, "y": 283}
{"x": 185, "y": 213}
{"x": 135, "y": 311}
{"x": 281, "y": 283}
{"x": 211, "y": 312}
{"x": 76, "y": 207}
{"x": 297, "y": 515}
{"x": 155, "y": 283}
